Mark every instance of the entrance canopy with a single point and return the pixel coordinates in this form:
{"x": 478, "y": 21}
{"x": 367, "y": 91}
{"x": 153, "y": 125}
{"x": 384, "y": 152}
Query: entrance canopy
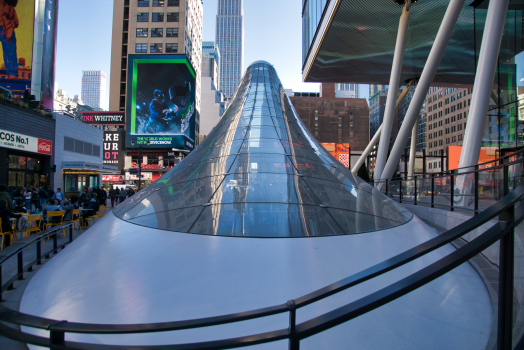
{"x": 355, "y": 41}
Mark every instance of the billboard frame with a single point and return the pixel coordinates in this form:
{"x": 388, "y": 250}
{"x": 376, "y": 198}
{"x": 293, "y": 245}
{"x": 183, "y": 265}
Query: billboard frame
{"x": 132, "y": 76}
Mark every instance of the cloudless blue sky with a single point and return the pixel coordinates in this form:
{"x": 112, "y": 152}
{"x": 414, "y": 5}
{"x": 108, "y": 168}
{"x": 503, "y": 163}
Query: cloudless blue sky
{"x": 272, "y": 32}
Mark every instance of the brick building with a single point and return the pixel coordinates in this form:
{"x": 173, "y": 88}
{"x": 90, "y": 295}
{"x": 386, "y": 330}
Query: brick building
{"x": 335, "y": 120}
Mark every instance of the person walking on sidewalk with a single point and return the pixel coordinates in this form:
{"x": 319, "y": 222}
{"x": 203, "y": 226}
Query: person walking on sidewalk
{"x": 112, "y": 196}
{"x": 59, "y": 195}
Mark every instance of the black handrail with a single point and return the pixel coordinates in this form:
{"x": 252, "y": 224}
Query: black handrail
{"x": 509, "y": 215}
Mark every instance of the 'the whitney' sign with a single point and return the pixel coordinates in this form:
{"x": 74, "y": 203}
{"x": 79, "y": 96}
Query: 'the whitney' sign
{"x": 103, "y": 118}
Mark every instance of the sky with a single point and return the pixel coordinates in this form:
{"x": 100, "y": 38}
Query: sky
{"x": 272, "y": 32}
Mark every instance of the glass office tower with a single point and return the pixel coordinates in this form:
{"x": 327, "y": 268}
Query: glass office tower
{"x": 230, "y": 42}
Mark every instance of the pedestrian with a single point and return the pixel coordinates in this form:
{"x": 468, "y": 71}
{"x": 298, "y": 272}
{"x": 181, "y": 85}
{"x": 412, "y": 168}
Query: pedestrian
{"x": 5, "y": 196}
{"x": 27, "y": 196}
{"x": 59, "y": 195}
{"x": 50, "y": 192}
{"x": 112, "y": 196}
{"x": 122, "y": 195}
{"x": 42, "y": 195}
{"x": 5, "y": 216}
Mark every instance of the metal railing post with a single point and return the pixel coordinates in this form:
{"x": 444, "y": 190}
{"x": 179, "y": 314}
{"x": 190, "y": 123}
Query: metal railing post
{"x": 55, "y": 242}
{"x": 476, "y": 189}
{"x": 415, "y": 189}
{"x": 452, "y": 191}
{"x": 56, "y": 338}
{"x": 506, "y": 179}
{"x": 506, "y": 275}
{"x": 400, "y": 192}
{"x": 386, "y": 187}
{"x": 39, "y": 252}
{"x": 1, "y": 283}
{"x": 433, "y": 190}
{"x": 294, "y": 343}
{"x": 20, "y": 265}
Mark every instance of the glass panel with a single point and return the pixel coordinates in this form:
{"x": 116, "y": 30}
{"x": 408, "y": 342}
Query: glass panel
{"x": 262, "y": 163}
{"x": 20, "y": 179}
{"x": 12, "y": 179}
{"x": 353, "y": 222}
{"x": 442, "y": 191}
{"x": 31, "y": 163}
{"x": 263, "y": 187}
{"x": 263, "y": 132}
{"x": 177, "y": 196}
{"x": 265, "y": 220}
{"x": 262, "y": 146}
{"x": 70, "y": 184}
{"x": 182, "y": 219}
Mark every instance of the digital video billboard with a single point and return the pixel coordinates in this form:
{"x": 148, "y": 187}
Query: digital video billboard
{"x": 16, "y": 35}
{"x": 160, "y": 102}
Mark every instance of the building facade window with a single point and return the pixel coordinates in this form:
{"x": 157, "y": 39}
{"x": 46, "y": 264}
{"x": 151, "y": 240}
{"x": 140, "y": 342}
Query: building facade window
{"x": 172, "y": 32}
{"x": 143, "y": 3}
{"x": 157, "y": 32}
{"x": 172, "y": 17}
{"x": 157, "y": 17}
{"x": 141, "y": 48}
{"x": 156, "y": 48}
{"x": 142, "y": 17}
{"x": 173, "y": 2}
{"x": 141, "y": 32}
{"x": 158, "y": 3}
{"x": 171, "y": 48}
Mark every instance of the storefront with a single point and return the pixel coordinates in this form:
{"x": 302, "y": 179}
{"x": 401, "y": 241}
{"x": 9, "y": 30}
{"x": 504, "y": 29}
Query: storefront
{"x": 132, "y": 179}
{"x": 78, "y": 175}
{"x": 109, "y": 180}
{"x": 25, "y": 159}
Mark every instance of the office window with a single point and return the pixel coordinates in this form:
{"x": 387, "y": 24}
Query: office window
{"x": 142, "y": 17}
{"x": 141, "y": 32}
{"x": 157, "y": 17}
{"x": 171, "y": 48}
{"x": 157, "y": 32}
{"x": 156, "y": 48}
{"x": 172, "y": 16}
{"x": 141, "y": 48}
{"x": 172, "y": 32}
{"x": 143, "y": 3}
{"x": 158, "y": 3}
{"x": 173, "y": 2}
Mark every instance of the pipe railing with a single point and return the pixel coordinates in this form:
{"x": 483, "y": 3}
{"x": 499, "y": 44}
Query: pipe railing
{"x": 469, "y": 189}
{"x": 507, "y": 209}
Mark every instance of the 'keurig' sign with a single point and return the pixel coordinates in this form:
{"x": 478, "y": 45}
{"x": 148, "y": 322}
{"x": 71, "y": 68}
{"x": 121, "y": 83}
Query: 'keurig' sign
{"x": 113, "y": 151}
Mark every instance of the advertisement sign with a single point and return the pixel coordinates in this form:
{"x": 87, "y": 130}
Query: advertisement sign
{"x": 17, "y": 45}
{"x": 88, "y": 166}
{"x": 49, "y": 53}
{"x": 113, "y": 178}
{"x": 103, "y": 118}
{"x": 113, "y": 148}
{"x": 145, "y": 176}
{"x": 486, "y": 154}
{"x": 160, "y": 102}
{"x": 26, "y": 143}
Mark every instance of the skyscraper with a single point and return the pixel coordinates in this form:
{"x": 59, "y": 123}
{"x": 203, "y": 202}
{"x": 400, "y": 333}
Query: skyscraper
{"x": 94, "y": 89}
{"x": 230, "y": 41}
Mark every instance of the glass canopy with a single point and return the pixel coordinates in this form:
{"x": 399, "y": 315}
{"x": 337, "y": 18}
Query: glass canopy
{"x": 260, "y": 173}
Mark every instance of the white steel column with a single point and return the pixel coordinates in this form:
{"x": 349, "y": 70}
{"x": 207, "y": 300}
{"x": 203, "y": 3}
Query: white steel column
{"x": 376, "y": 137}
{"x": 394, "y": 80}
{"x": 413, "y": 150}
{"x": 432, "y": 63}
{"x": 482, "y": 88}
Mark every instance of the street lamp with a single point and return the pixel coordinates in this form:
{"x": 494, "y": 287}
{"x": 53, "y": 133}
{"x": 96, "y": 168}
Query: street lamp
{"x": 140, "y": 163}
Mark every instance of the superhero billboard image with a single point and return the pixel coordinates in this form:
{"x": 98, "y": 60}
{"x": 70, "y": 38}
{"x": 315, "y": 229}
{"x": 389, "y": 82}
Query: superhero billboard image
{"x": 16, "y": 35}
{"x": 161, "y": 102}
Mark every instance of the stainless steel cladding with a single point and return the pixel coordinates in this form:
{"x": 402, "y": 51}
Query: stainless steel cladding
{"x": 260, "y": 173}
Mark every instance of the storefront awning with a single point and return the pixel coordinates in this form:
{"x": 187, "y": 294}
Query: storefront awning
{"x": 102, "y": 168}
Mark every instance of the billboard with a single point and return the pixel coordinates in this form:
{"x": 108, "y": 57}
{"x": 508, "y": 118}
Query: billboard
{"x": 113, "y": 148}
{"x": 49, "y": 53}
{"x": 16, "y": 35}
{"x": 21, "y": 142}
{"x": 103, "y": 118}
{"x": 486, "y": 154}
{"x": 160, "y": 102}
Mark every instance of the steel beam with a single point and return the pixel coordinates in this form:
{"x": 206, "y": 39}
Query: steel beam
{"x": 394, "y": 81}
{"x": 432, "y": 63}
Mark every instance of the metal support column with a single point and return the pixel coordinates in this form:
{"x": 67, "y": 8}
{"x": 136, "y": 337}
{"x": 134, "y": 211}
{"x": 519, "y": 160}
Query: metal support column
{"x": 482, "y": 88}
{"x": 376, "y": 137}
{"x": 413, "y": 150}
{"x": 394, "y": 81}
{"x": 426, "y": 79}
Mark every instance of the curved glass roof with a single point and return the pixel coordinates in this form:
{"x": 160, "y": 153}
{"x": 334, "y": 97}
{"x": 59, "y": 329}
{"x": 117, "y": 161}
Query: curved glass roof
{"x": 260, "y": 173}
